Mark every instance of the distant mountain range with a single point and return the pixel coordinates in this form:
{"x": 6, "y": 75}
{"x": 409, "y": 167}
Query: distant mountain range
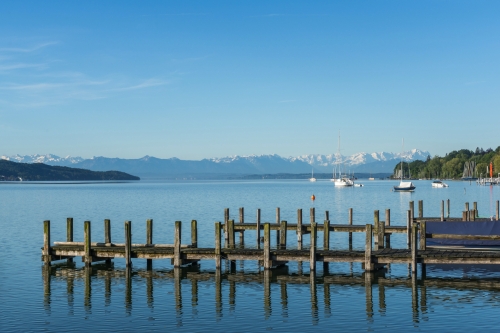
{"x": 152, "y": 167}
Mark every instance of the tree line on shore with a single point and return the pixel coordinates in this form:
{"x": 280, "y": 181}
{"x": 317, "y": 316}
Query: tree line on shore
{"x": 451, "y": 166}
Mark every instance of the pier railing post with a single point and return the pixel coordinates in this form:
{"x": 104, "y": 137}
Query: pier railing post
{"x": 177, "y": 244}
{"x": 327, "y": 215}
{"x": 299, "y": 229}
{"x": 408, "y": 228}
{"x": 312, "y": 254}
{"x": 423, "y": 243}
{"x": 376, "y": 218}
{"x": 107, "y": 231}
{"x": 442, "y": 210}
{"x": 368, "y": 248}
{"x": 476, "y": 213}
{"x": 217, "y": 245}
{"x": 46, "y": 242}
{"x": 194, "y": 233}
{"x": 87, "y": 243}
{"x": 412, "y": 210}
{"x": 283, "y": 228}
{"x": 230, "y": 232}
{"x": 326, "y": 235}
{"x": 278, "y": 216}
{"x": 258, "y": 228}
{"x": 242, "y": 220}
{"x": 69, "y": 234}
{"x": 226, "y": 219}
{"x": 448, "y": 208}
{"x": 380, "y": 235}
{"x": 267, "y": 245}
{"x": 420, "y": 209}
{"x": 128, "y": 243}
{"x": 464, "y": 215}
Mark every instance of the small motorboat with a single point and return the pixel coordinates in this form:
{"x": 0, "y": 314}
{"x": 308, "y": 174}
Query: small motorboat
{"x": 404, "y": 186}
{"x": 439, "y": 184}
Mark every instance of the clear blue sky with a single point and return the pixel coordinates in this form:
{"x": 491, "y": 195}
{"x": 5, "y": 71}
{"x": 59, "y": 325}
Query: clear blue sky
{"x": 196, "y": 79}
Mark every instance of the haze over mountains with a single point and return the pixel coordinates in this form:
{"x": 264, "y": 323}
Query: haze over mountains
{"x": 152, "y": 167}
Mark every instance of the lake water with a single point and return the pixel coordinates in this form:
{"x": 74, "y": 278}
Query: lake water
{"x": 244, "y": 298}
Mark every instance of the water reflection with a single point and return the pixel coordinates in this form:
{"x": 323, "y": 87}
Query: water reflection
{"x": 279, "y": 281}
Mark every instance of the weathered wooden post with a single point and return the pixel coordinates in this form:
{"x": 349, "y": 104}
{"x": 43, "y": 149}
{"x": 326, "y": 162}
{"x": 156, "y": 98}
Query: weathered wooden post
{"x": 217, "y": 245}
{"x": 376, "y": 227}
{"x": 230, "y": 232}
{"x": 412, "y": 210}
{"x": 299, "y": 228}
{"x": 387, "y": 224}
{"x": 46, "y": 242}
{"x": 327, "y": 215}
{"x": 87, "y": 243}
{"x": 498, "y": 210}
{"x": 472, "y": 215}
{"x": 368, "y": 248}
{"x": 69, "y": 234}
{"x": 149, "y": 241}
{"x": 107, "y": 231}
{"x": 448, "y": 208}
{"x": 312, "y": 215}
{"x": 414, "y": 247}
{"x": 442, "y": 210}
{"x": 267, "y": 245}
{"x": 420, "y": 208}
{"x": 466, "y": 206}
{"x": 464, "y": 215}
{"x": 381, "y": 234}
{"x": 194, "y": 233}
{"x": 177, "y": 244}
{"x": 283, "y": 228}
{"x": 242, "y": 220}
{"x": 408, "y": 228}
{"x": 474, "y": 205}
{"x": 312, "y": 253}
{"x": 350, "y": 233}
{"x": 226, "y": 219}
{"x": 326, "y": 235}
{"x": 128, "y": 244}
{"x": 423, "y": 243}
{"x": 258, "y": 228}
{"x": 277, "y": 222}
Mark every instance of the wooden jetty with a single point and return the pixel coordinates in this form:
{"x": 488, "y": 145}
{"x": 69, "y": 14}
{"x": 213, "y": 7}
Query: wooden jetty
{"x": 376, "y": 254}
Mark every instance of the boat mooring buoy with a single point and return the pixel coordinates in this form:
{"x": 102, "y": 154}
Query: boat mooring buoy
{"x": 313, "y": 197}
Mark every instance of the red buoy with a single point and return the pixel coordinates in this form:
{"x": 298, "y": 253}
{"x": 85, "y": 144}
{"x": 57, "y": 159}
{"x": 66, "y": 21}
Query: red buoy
{"x": 313, "y": 197}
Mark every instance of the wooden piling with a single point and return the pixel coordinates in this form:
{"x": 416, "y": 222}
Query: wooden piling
{"x": 326, "y": 235}
{"x": 420, "y": 208}
{"x": 194, "y": 233}
{"x": 408, "y": 228}
{"x": 414, "y": 246}
{"x": 149, "y": 241}
{"x": 69, "y": 234}
{"x": 368, "y": 248}
{"x": 128, "y": 244}
{"x": 226, "y": 219}
{"x": 217, "y": 245}
{"x": 464, "y": 215}
{"x": 380, "y": 235}
{"x": 258, "y": 228}
{"x": 448, "y": 207}
{"x": 312, "y": 215}
{"x": 327, "y": 215}
{"x": 442, "y": 210}
{"x": 87, "y": 243}
{"x": 498, "y": 210}
{"x": 350, "y": 233}
{"x": 267, "y": 245}
{"x": 283, "y": 228}
{"x": 472, "y": 215}
{"x": 242, "y": 220}
{"x": 423, "y": 243}
{"x": 230, "y": 232}
{"x": 412, "y": 210}
{"x": 177, "y": 244}
{"x": 299, "y": 229}
{"x": 376, "y": 218}
{"x": 277, "y": 222}
{"x": 474, "y": 205}
{"x": 312, "y": 253}
{"x": 46, "y": 242}
{"x": 107, "y": 231}
{"x": 387, "y": 224}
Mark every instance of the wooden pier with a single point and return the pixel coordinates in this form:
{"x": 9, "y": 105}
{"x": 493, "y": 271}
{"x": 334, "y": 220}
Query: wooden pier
{"x": 376, "y": 254}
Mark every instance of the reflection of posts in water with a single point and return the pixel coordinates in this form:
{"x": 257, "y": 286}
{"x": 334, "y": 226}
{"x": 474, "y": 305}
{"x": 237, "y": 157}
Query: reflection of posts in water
{"x": 284, "y": 299}
{"x": 381, "y": 297}
{"x": 149, "y": 289}
{"x": 326, "y": 290}
{"x": 414, "y": 297}
{"x": 314, "y": 297}
{"x": 177, "y": 287}
{"x": 350, "y": 233}
{"x": 194, "y": 296}
{"x": 87, "y": 302}
{"x": 258, "y": 227}
{"x": 70, "y": 282}
{"x": 326, "y": 241}
{"x": 423, "y": 298}
{"x": 46, "y": 285}
{"x": 232, "y": 295}
{"x": 107, "y": 288}
{"x": 107, "y": 235}
{"x": 267, "y": 293}
{"x": 218, "y": 258}
{"x": 128, "y": 290}
{"x": 369, "y": 295}
{"x": 218, "y": 294}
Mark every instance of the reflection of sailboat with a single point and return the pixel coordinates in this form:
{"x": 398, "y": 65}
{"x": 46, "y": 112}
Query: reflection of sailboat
{"x": 404, "y": 186}
{"x": 341, "y": 180}
{"x": 312, "y": 179}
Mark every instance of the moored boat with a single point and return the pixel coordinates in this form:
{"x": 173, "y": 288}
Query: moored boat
{"x": 439, "y": 184}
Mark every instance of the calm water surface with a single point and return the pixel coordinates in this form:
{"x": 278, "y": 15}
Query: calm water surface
{"x": 244, "y": 298}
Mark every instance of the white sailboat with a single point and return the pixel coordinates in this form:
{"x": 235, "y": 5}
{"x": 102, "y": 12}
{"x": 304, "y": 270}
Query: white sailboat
{"x": 341, "y": 180}
{"x": 404, "y": 186}
{"x": 312, "y": 179}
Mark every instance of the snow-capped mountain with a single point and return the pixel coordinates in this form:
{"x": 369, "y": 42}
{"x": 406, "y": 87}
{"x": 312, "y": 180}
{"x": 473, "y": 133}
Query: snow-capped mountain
{"x": 149, "y": 166}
